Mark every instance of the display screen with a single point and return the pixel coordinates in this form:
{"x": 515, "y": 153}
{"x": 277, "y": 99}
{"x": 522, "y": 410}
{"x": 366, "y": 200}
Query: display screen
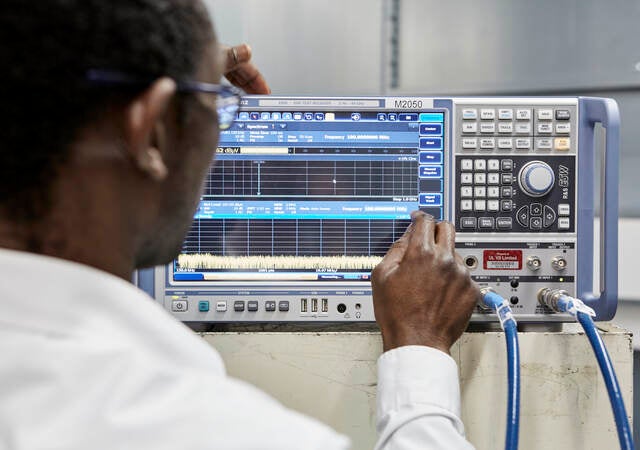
{"x": 315, "y": 195}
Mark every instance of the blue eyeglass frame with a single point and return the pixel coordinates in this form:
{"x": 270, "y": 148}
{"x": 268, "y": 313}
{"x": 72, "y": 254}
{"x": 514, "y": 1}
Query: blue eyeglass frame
{"x": 227, "y": 102}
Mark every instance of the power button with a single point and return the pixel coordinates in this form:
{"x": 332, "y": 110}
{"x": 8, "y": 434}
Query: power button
{"x": 179, "y": 305}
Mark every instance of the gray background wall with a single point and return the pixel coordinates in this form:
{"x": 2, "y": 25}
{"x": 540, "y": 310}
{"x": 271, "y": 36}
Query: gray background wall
{"x": 306, "y": 46}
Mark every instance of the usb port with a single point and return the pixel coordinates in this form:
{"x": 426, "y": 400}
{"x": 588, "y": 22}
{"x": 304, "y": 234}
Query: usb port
{"x": 325, "y": 305}
{"x": 314, "y": 305}
{"x": 304, "y": 305}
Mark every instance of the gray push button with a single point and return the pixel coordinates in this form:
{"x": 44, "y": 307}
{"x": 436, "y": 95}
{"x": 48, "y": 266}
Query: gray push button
{"x": 179, "y": 306}
{"x": 507, "y": 178}
{"x": 536, "y": 223}
{"x": 504, "y": 223}
{"x": 238, "y": 305}
{"x": 270, "y": 305}
{"x": 549, "y": 216}
{"x": 507, "y": 165}
{"x": 468, "y": 222}
{"x": 536, "y": 209}
{"x": 252, "y": 305}
{"x": 469, "y": 114}
{"x": 522, "y": 216}
{"x": 283, "y": 305}
{"x": 506, "y": 205}
{"x": 545, "y": 114}
{"x": 564, "y": 209}
{"x": 485, "y": 223}
{"x": 505, "y": 114}
{"x": 563, "y": 114}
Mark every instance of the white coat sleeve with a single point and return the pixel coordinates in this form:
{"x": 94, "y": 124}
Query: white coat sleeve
{"x": 418, "y": 402}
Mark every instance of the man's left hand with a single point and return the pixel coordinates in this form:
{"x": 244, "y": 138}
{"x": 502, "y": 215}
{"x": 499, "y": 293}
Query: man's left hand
{"x": 241, "y": 72}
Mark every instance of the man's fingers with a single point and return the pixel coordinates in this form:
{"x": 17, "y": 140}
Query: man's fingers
{"x": 236, "y": 55}
{"x": 241, "y": 72}
{"x": 445, "y": 236}
{"x": 247, "y": 77}
{"x": 423, "y": 232}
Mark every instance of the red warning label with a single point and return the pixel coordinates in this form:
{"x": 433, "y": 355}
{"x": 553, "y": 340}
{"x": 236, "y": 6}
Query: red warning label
{"x": 502, "y": 259}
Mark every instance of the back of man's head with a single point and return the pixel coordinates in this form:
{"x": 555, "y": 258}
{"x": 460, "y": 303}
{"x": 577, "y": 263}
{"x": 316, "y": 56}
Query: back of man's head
{"x": 47, "y": 48}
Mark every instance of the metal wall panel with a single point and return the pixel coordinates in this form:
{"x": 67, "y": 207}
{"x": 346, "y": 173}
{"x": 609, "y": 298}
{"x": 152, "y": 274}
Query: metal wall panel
{"x": 308, "y": 47}
{"x": 505, "y": 45}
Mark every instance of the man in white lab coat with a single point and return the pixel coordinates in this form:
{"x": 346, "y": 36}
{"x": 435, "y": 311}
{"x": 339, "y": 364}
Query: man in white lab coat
{"x": 103, "y": 150}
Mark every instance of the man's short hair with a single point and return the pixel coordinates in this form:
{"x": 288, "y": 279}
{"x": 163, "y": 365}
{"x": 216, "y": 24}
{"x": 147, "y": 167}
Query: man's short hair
{"x": 47, "y": 48}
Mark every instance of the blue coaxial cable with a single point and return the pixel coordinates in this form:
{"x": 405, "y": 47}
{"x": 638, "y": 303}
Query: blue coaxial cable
{"x": 503, "y": 310}
{"x": 560, "y": 301}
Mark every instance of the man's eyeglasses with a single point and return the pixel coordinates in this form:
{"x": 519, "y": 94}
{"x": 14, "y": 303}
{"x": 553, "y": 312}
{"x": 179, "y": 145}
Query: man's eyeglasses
{"x": 227, "y": 97}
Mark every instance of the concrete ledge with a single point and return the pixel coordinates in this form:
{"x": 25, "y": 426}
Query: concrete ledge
{"x": 331, "y": 375}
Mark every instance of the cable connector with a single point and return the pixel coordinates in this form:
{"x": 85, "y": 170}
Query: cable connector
{"x": 490, "y": 299}
{"x": 559, "y": 300}
{"x": 575, "y": 306}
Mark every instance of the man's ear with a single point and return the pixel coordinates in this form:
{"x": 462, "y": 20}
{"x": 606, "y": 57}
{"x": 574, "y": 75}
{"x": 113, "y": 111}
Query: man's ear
{"x": 143, "y": 117}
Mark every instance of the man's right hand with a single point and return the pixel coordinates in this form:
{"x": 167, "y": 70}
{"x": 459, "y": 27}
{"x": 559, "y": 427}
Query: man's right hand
{"x": 422, "y": 292}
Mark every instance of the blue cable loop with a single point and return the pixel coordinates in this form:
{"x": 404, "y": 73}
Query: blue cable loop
{"x": 610, "y": 380}
{"x": 502, "y": 309}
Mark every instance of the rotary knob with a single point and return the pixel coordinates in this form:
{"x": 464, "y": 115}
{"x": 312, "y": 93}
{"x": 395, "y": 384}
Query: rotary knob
{"x": 536, "y": 178}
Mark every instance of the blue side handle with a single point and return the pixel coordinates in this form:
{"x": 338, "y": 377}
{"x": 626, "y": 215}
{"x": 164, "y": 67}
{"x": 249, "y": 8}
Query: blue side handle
{"x": 593, "y": 111}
